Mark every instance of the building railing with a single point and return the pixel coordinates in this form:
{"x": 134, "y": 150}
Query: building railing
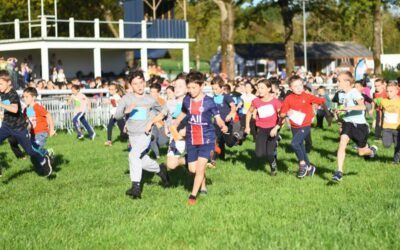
{"x": 157, "y": 29}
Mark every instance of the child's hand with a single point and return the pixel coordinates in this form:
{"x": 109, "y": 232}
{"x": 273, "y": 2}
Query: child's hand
{"x": 228, "y": 118}
{"x": 224, "y": 129}
{"x": 274, "y": 131}
{"x": 247, "y": 130}
{"x": 52, "y": 132}
{"x": 148, "y": 127}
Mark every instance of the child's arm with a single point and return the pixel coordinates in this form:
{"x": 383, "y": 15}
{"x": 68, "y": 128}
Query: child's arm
{"x": 121, "y": 109}
{"x": 232, "y": 114}
{"x": 359, "y": 107}
{"x": 249, "y": 114}
{"x": 50, "y": 123}
{"x": 13, "y": 107}
{"x": 221, "y": 124}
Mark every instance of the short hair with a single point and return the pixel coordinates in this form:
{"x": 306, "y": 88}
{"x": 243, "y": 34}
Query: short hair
{"x": 321, "y": 87}
{"x": 195, "y": 77}
{"x": 266, "y": 82}
{"x": 134, "y": 74}
{"x": 156, "y": 86}
{"x": 5, "y": 75}
{"x": 392, "y": 84}
{"x": 379, "y": 80}
{"x": 181, "y": 76}
{"x": 32, "y": 91}
{"x": 170, "y": 88}
{"x": 227, "y": 87}
{"x": 294, "y": 78}
{"x": 76, "y": 87}
{"x": 218, "y": 81}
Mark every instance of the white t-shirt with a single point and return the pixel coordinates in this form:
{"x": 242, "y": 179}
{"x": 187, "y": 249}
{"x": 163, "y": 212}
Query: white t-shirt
{"x": 247, "y": 100}
{"x": 350, "y": 100}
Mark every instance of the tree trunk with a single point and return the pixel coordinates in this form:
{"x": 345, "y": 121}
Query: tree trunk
{"x": 227, "y": 9}
{"x": 287, "y": 16}
{"x": 198, "y": 50}
{"x": 377, "y": 45}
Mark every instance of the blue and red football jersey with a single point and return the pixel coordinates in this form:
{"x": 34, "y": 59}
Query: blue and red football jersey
{"x": 200, "y": 129}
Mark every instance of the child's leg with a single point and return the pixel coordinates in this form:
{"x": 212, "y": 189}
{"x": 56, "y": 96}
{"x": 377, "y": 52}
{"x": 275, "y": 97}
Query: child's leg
{"x": 38, "y": 142}
{"x": 139, "y": 144}
{"x": 271, "y": 148}
{"x": 121, "y": 125}
{"x": 308, "y": 143}
{"x": 110, "y": 127}
{"x": 341, "y": 154}
{"x": 388, "y": 137}
{"x": 396, "y": 138}
{"x": 153, "y": 143}
{"x": 261, "y": 143}
{"x": 15, "y": 148}
{"x": 320, "y": 118}
{"x": 378, "y": 125}
{"x": 85, "y": 123}
{"x": 200, "y": 170}
{"x": 76, "y": 123}
{"x": 299, "y": 135}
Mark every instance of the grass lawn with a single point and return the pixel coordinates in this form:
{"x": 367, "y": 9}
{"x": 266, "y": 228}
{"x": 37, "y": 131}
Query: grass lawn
{"x": 84, "y": 206}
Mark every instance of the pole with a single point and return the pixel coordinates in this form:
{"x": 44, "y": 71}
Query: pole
{"x": 29, "y": 19}
{"x": 305, "y": 35}
{"x": 55, "y": 18}
{"x": 41, "y": 8}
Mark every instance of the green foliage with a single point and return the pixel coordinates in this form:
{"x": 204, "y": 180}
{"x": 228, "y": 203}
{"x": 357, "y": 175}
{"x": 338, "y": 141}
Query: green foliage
{"x": 85, "y": 206}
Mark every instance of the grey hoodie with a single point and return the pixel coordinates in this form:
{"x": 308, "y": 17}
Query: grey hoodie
{"x": 146, "y": 108}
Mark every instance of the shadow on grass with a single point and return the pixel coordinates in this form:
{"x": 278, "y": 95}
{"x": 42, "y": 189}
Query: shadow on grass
{"x": 336, "y": 183}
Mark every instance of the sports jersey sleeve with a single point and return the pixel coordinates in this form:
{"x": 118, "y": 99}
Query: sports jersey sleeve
{"x": 14, "y": 99}
{"x": 229, "y": 100}
{"x": 357, "y": 96}
{"x": 254, "y": 103}
{"x": 285, "y": 105}
{"x": 316, "y": 100}
{"x": 185, "y": 108}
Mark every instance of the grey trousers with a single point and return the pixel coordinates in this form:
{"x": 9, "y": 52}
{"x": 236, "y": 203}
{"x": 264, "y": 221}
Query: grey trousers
{"x": 138, "y": 162}
{"x": 389, "y": 137}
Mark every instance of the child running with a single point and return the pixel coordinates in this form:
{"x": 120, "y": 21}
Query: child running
{"x": 298, "y": 107}
{"x": 391, "y": 119}
{"x": 115, "y": 97}
{"x": 354, "y": 126}
{"x": 267, "y": 123}
{"x": 40, "y": 120}
{"x": 14, "y": 124}
{"x": 200, "y": 131}
{"x": 81, "y": 106}
{"x": 143, "y": 111}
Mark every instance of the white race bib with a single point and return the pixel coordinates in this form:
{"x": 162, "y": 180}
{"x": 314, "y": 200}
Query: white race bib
{"x": 297, "y": 117}
{"x": 266, "y": 111}
{"x": 391, "y": 118}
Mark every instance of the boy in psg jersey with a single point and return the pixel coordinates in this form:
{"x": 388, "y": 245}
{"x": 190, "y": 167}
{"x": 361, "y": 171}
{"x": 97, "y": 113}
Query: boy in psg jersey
{"x": 200, "y": 131}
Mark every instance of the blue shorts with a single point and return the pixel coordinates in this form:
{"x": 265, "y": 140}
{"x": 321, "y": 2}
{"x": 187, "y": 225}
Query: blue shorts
{"x": 194, "y": 152}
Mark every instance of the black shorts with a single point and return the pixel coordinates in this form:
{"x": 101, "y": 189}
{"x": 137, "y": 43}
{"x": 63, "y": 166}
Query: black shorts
{"x": 356, "y": 132}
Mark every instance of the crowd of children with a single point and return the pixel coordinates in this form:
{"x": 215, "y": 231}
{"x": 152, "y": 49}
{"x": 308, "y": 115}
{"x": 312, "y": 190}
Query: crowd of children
{"x": 197, "y": 127}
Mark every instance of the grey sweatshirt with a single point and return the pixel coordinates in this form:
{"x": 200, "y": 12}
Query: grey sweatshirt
{"x": 146, "y": 108}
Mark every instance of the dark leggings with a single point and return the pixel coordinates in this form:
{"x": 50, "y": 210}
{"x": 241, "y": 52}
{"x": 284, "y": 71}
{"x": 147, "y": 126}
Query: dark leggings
{"x": 299, "y": 136}
{"x": 110, "y": 126}
{"x": 15, "y": 148}
{"x": 265, "y": 145}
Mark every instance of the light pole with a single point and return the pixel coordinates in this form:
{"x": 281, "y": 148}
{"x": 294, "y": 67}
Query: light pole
{"x": 305, "y": 35}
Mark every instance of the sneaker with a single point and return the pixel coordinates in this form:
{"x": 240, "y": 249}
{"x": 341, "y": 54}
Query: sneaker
{"x": 135, "y": 191}
{"x": 337, "y": 176}
{"x": 374, "y": 151}
{"x": 302, "y": 171}
{"x": 311, "y": 170}
{"x": 46, "y": 167}
{"x": 211, "y": 164}
{"x": 192, "y": 200}
{"x": 80, "y": 137}
{"x": 164, "y": 175}
{"x": 273, "y": 172}
{"x": 203, "y": 191}
{"x": 93, "y": 136}
{"x": 108, "y": 143}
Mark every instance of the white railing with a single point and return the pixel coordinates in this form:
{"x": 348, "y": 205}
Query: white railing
{"x": 43, "y": 23}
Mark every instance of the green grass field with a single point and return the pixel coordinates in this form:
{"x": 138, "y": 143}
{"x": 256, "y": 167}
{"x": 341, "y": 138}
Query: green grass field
{"x": 84, "y": 206}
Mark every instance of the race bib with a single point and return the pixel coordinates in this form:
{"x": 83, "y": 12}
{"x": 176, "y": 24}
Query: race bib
{"x": 391, "y": 118}
{"x": 247, "y": 105}
{"x": 219, "y": 99}
{"x": 6, "y": 102}
{"x": 297, "y": 117}
{"x": 138, "y": 114}
{"x": 30, "y": 112}
{"x": 266, "y": 111}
